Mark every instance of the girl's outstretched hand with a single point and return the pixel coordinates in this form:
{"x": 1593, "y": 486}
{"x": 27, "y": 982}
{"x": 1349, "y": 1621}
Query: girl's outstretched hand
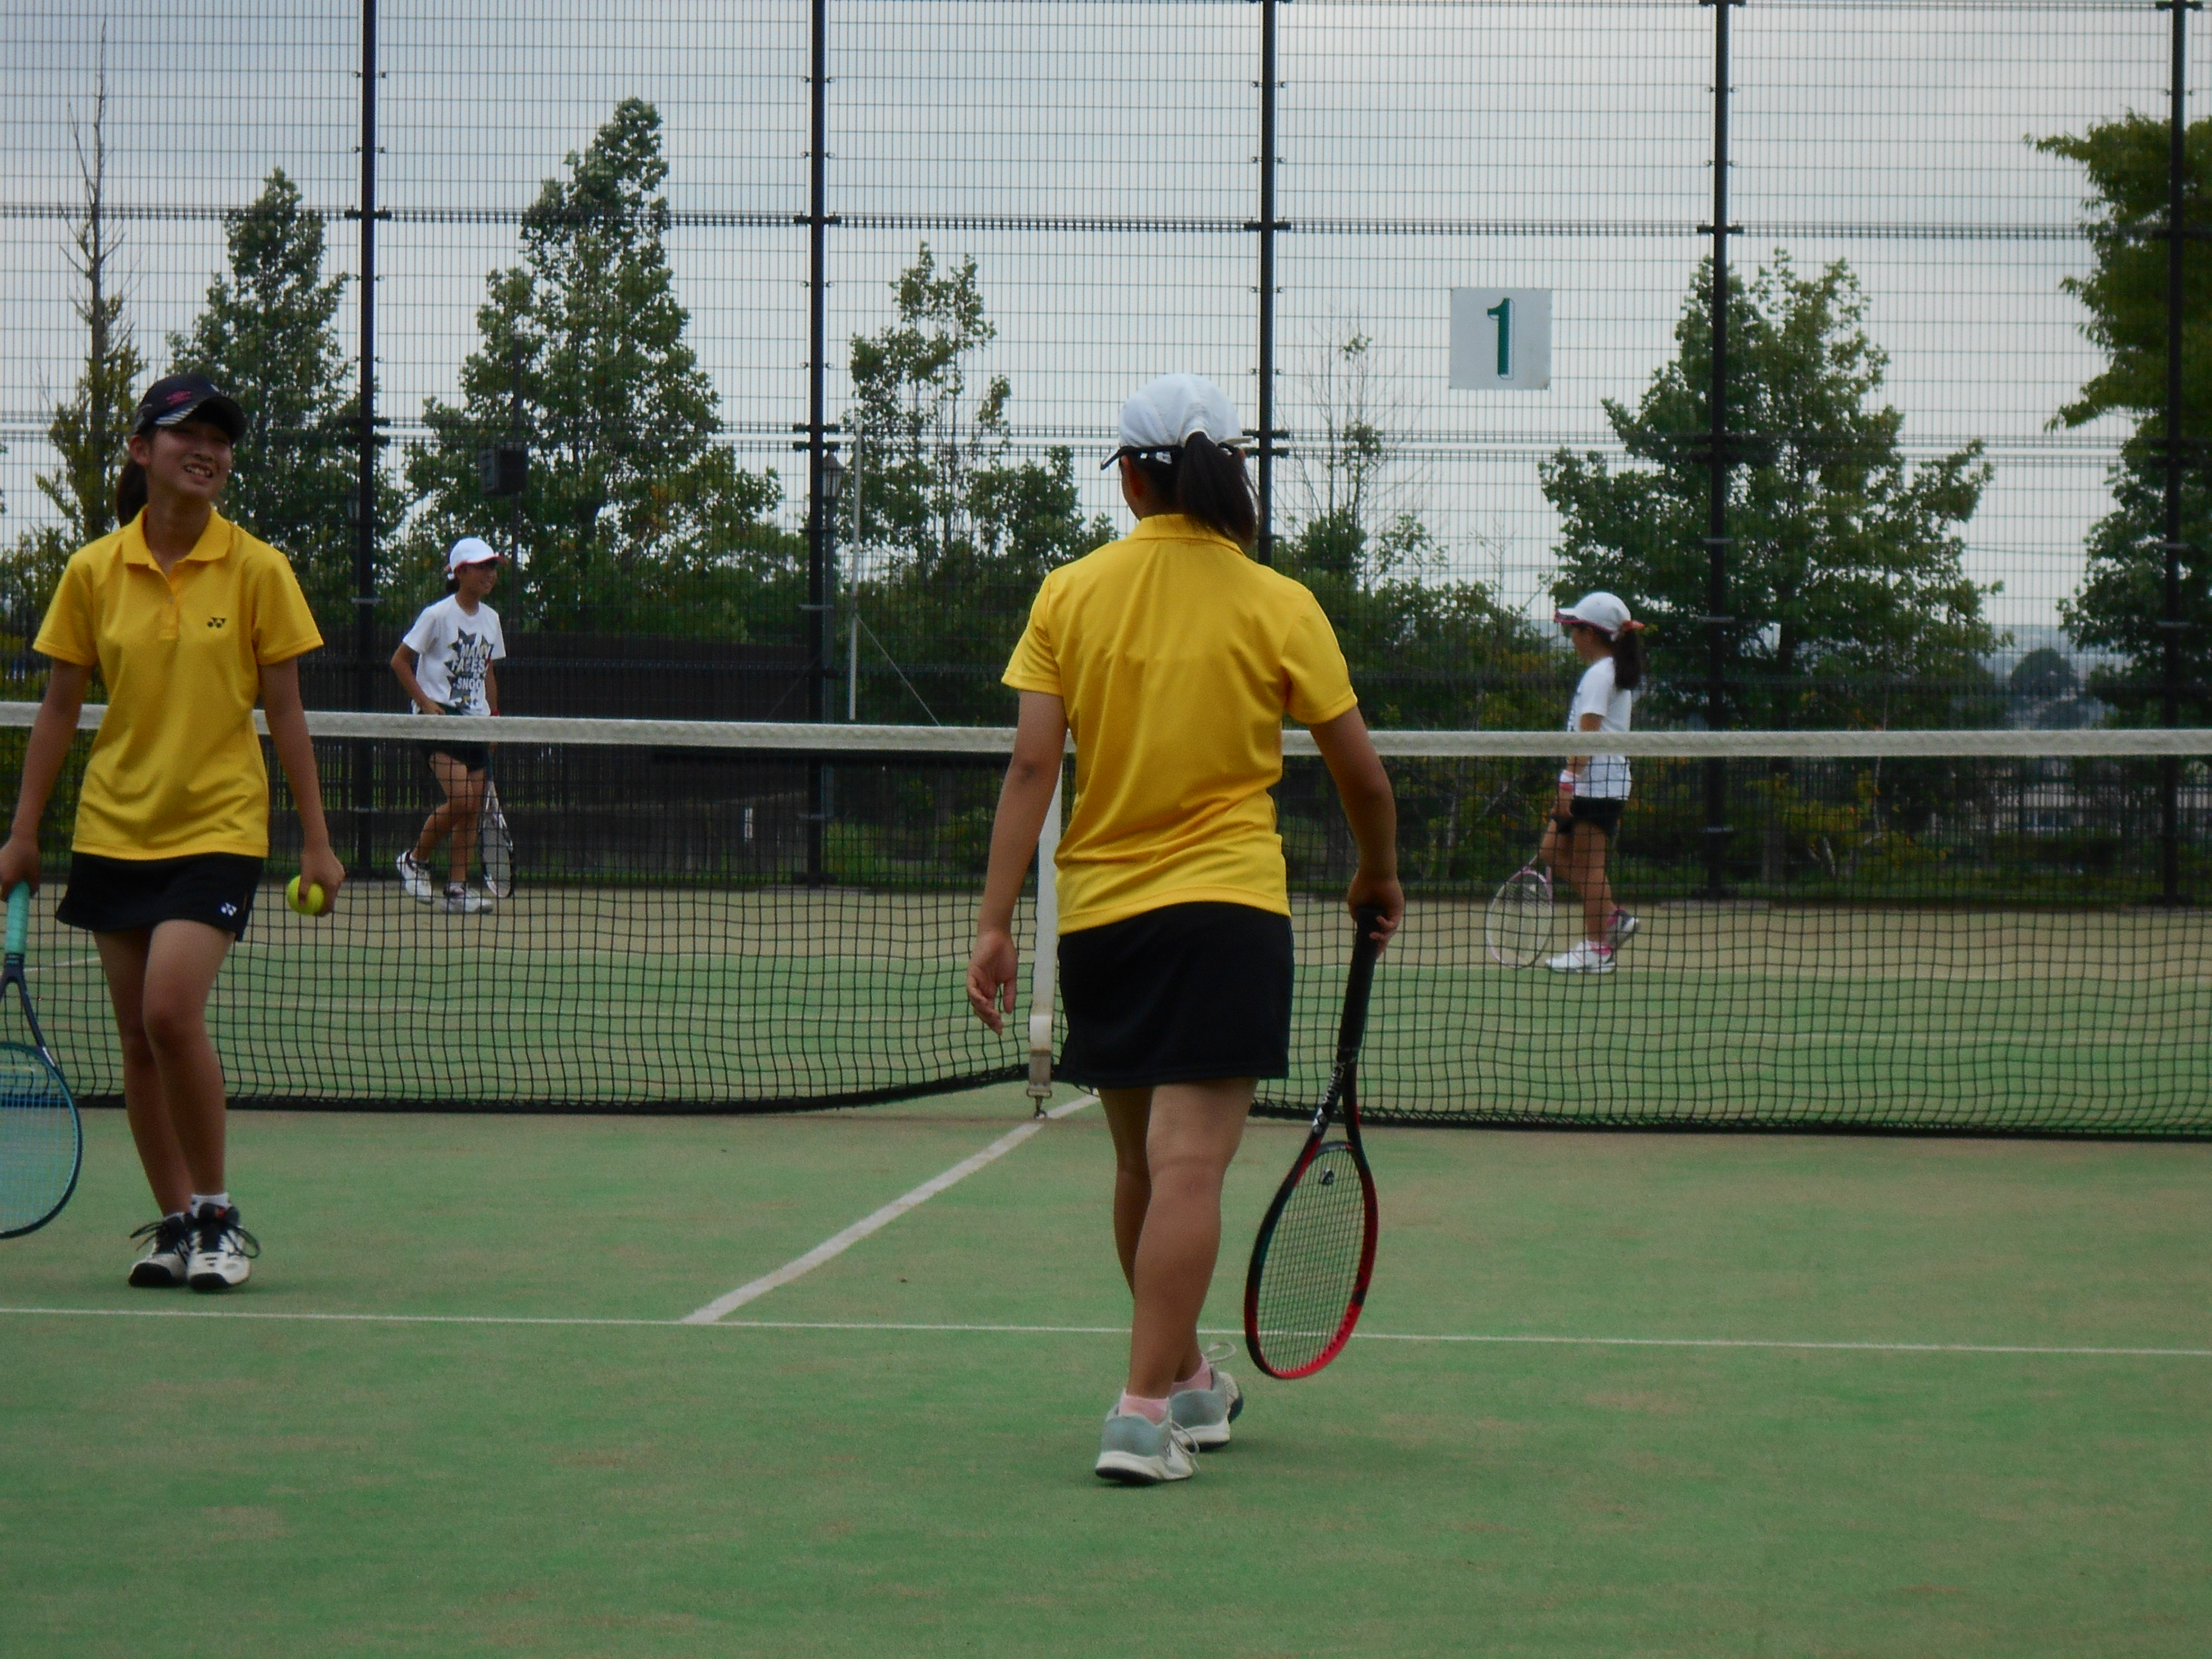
{"x": 992, "y": 967}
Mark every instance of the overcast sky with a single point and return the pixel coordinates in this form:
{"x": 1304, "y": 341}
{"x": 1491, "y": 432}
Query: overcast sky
{"x": 1562, "y": 146}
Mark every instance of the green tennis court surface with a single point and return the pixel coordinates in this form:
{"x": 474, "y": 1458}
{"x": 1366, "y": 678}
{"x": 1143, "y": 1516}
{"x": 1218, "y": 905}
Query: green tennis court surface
{"x": 828, "y": 1484}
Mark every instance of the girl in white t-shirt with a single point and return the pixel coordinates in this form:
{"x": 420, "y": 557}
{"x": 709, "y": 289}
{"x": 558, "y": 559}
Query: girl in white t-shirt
{"x": 446, "y": 664}
{"x": 1594, "y": 788}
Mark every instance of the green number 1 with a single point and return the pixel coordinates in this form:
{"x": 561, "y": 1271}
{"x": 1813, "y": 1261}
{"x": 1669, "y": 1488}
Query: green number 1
{"x": 1504, "y": 312}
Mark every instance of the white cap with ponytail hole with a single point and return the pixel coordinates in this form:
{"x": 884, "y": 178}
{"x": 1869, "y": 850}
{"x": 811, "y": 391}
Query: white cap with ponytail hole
{"x": 1606, "y": 612}
{"x": 1161, "y": 418}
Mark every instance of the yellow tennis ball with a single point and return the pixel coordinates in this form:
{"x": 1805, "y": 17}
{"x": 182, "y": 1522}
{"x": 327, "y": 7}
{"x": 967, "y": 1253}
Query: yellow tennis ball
{"x": 314, "y": 904}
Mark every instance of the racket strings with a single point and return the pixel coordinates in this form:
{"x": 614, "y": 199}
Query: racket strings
{"x": 1311, "y": 1268}
{"x": 38, "y": 1140}
{"x": 1518, "y": 925}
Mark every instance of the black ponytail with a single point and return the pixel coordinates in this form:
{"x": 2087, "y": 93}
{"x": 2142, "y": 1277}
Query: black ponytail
{"x": 1628, "y": 659}
{"x": 1206, "y": 482}
{"x": 129, "y": 492}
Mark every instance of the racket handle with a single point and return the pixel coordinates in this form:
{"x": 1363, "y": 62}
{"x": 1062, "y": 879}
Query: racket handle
{"x": 19, "y": 921}
{"x": 1365, "y": 948}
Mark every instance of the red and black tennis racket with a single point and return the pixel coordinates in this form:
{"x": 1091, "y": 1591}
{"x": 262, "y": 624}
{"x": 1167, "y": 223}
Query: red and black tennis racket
{"x": 1316, "y": 1251}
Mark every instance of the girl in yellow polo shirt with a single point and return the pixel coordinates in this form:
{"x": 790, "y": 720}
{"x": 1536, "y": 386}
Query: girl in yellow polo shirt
{"x": 189, "y": 621}
{"x": 1173, "y": 658}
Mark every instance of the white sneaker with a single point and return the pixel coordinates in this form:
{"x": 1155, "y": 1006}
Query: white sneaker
{"x": 1587, "y": 958}
{"x": 1621, "y": 928}
{"x": 1136, "y": 1451}
{"x": 222, "y": 1251}
{"x": 461, "y": 900}
{"x": 168, "y": 1249}
{"x": 414, "y": 880}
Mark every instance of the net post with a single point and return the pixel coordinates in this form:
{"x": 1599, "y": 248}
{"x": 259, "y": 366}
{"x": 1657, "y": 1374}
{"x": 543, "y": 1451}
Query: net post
{"x": 1717, "y": 619}
{"x": 1045, "y": 957}
{"x": 1266, "y": 543}
{"x": 816, "y": 610}
{"x": 360, "y": 769}
{"x": 2172, "y": 620}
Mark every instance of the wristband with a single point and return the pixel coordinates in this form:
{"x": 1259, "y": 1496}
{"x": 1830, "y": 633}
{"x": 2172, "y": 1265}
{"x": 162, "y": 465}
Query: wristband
{"x": 1567, "y": 777}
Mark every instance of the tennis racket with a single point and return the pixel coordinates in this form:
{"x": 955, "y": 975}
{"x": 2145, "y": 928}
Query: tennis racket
{"x": 1517, "y": 927}
{"x": 495, "y": 845}
{"x": 1316, "y": 1251}
{"x": 41, "y": 1141}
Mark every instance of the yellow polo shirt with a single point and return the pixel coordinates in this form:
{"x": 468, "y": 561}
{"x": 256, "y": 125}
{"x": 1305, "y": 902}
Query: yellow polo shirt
{"x": 1177, "y": 657}
{"x": 176, "y": 769}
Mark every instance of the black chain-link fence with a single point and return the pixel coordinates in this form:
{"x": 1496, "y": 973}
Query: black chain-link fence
{"x": 805, "y": 328}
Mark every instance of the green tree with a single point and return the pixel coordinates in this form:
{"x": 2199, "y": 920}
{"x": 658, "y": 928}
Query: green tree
{"x": 1848, "y": 602}
{"x": 268, "y": 337}
{"x": 1425, "y": 649}
{"x": 90, "y": 427}
{"x": 635, "y": 507}
{"x": 2122, "y": 598}
{"x": 954, "y": 534}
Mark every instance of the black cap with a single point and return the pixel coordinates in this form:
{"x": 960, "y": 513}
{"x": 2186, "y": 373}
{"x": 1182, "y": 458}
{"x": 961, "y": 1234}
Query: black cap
{"x": 178, "y": 397}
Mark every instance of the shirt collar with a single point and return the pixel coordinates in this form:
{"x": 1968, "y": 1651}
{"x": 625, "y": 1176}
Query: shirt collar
{"x": 1181, "y": 527}
{"x": 214, "y": 543}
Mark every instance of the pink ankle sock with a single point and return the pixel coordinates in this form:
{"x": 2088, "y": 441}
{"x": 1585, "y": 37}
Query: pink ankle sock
{"x": 1135, "y": 1404}
{"x": 1200, "y": 1378}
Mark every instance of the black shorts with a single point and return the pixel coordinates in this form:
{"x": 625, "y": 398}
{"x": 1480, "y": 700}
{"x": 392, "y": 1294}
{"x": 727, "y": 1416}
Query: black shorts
{"x": 1179, "y": 994}
{"x": 1600, "y": 812}
{"x": 121, "y": 896}
{"x": 471, "y": 756}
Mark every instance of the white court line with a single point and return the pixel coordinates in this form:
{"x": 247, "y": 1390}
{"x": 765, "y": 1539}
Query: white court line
{"x": 838, "y": 1243}
{"x": 2025, "y": 1349}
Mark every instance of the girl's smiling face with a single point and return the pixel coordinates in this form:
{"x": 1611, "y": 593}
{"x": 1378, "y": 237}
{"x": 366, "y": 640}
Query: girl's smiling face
{"x": 191, "y": 459}
{"x": 473, "y": 582}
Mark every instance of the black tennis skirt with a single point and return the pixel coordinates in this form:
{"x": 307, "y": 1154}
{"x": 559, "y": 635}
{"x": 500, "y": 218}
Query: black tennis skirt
{"x": 1180, "y": 995}
{"x": 121, "y": 896}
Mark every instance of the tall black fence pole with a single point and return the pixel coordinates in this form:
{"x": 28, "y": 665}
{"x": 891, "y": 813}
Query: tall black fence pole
{"x": 816, "y": 609}
{"x": 1717, "y": 619}
{"x": 1266, "y": 227}
{"x": 2177, "y": 455}
{"x": 361, "y": 792}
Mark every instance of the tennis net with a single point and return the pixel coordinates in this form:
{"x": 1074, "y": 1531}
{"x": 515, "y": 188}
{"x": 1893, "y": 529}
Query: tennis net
{"x": 1959, "y": 932}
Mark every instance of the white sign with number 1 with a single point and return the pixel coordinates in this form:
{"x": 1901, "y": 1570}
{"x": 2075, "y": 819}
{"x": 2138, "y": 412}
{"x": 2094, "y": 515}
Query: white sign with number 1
{"x": 1501, "y": 339}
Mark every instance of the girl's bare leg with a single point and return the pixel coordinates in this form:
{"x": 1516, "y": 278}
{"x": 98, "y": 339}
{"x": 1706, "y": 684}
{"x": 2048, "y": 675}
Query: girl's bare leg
{"x": 1185, "y": 1134}
{"x": 123, "y": 960}
{"x": 457, "y": 818}
{"x": 158, "y": 982}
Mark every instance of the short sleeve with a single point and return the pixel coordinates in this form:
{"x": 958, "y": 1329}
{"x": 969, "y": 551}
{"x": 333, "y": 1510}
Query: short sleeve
{"x": 421, "y": 638}
{"x": 498, "y": 639}
{"x": 284, "y": 627}
{"x": 1313, "y": 663}
{"x": 68, "y": 633}
{"x": 1035, "y": 665}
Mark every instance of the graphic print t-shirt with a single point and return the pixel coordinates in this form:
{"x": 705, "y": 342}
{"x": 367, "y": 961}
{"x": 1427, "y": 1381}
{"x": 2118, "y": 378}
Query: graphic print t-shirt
{"x": 452, "y": 650}
{"x": 1607, "y": 777}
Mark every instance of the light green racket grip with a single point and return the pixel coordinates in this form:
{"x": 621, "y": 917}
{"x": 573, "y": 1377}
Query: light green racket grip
{"x": 18, "y": 919}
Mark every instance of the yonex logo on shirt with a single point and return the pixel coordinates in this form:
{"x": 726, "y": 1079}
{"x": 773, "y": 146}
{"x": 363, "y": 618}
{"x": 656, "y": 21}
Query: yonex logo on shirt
{"x": 217, "y": 622}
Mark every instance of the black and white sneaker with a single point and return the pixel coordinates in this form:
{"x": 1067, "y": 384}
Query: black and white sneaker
{"x": 168, "y": 1247}
{"x": 222, "y": 1251}
{"x": 415, "y": 880}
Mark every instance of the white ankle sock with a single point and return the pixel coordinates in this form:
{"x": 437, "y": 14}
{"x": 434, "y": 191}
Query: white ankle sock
{"x": 1135, "y": 1404}
{"x": 209, "y": 1201}
{"x": 1200, "y": 1378}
